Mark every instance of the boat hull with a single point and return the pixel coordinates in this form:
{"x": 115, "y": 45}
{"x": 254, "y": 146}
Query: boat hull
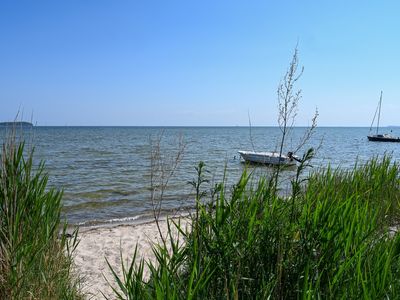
{"x": 373, "y": 138}
{"x": 386, "y": 137}
{"x": 266, "y": 158}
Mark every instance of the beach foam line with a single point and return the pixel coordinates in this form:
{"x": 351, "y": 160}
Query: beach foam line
{"x": 132, "y": 220}
{"x": 97, "y": 223}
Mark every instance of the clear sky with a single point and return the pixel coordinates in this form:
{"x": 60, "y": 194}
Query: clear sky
{"x": 97, "y": 62}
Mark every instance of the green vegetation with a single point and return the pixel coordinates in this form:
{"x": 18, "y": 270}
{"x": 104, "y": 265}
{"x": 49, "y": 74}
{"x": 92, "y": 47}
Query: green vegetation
{"x": 331, "y": 239}
{"x": 35, "y": 257}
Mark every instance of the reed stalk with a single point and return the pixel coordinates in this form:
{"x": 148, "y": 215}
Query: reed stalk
{"x": 330, "y": 241}
{"x": 35, "y": 258}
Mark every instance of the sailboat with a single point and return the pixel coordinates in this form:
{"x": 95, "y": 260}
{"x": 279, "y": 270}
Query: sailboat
{"x": 380, "y": 137}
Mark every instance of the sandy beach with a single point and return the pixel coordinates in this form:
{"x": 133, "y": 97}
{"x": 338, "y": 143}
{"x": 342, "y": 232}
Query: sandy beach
{"x": 98, "y": 243}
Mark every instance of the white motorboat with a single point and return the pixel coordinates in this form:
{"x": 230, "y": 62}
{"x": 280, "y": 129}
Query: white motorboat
{"x": 269, "y": 158}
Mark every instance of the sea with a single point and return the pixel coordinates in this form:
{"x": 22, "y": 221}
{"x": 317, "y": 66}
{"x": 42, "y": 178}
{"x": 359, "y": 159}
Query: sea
{"x": 107, "y": 174}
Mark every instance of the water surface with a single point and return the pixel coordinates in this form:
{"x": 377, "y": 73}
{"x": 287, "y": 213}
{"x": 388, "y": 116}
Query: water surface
{"x": 105, "y": 171}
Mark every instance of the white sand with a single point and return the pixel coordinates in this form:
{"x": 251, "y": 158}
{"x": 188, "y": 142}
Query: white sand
{"x": 97, "y": 244}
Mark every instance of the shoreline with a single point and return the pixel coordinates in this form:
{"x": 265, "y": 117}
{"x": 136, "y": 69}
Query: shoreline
{"x": 98, "y": 243}
{"x": 135, "y": 219}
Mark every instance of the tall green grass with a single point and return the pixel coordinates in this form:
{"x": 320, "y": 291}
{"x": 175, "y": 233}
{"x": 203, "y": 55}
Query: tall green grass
{"x": 330, "y": 240}
{"x": 376, "y": 184}
{"x": 35, "y": 258}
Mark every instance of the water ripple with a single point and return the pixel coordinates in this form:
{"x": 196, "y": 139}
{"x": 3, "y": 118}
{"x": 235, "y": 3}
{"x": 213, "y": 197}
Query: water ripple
{"x": 105, "y": 171}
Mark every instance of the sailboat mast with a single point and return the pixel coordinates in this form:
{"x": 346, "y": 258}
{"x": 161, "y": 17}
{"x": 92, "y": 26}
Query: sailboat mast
{"x": 379, "y": 114}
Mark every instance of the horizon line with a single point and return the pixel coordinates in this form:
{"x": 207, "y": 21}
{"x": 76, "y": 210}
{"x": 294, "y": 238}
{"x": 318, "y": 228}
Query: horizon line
{"x": 214, "y": 126}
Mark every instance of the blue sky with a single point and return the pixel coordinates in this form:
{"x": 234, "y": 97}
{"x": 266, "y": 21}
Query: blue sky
{"x": 196, "y": 62}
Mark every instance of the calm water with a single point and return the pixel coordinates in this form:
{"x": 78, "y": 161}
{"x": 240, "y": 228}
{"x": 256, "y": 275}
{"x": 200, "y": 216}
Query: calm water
{"x": 105, "y": 171}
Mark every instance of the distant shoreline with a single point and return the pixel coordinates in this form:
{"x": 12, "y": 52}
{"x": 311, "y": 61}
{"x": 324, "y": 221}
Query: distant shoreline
{"x": 14, "y": 124}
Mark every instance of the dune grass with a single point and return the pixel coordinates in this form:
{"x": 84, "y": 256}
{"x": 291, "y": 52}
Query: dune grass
{"x": 35, "y": 257}
{"x": 330, "y": 240}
